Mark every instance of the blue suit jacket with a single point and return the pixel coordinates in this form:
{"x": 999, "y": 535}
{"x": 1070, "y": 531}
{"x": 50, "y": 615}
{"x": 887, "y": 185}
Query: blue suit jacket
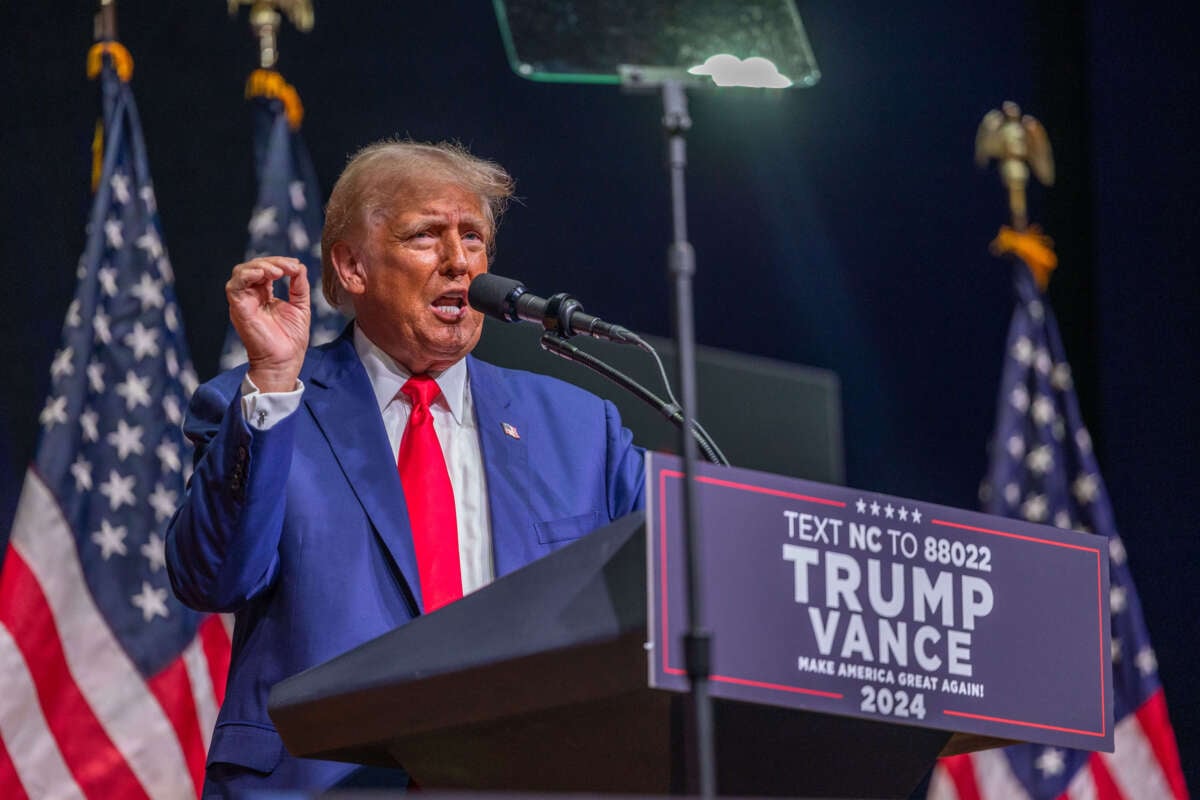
{"x": 303, "y": 531}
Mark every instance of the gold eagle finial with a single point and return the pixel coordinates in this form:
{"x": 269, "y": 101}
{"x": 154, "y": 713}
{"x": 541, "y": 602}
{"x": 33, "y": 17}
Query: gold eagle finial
{"x": 1019, "y": 142}
{"x": 265, "y": 19}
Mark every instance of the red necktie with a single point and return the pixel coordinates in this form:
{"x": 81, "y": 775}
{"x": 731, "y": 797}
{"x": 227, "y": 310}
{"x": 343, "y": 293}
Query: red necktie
{"x": 430, "y": 498}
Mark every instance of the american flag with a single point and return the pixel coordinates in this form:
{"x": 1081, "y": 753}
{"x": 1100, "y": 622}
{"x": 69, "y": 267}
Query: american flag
{"x": 1043, "y": 469}
{"x": 108, "y": 686}
{"x": 287, "y": 218}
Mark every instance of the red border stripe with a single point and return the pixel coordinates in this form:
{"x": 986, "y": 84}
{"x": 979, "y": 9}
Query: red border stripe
{"x": 961, "y": 770}
{"x": 1156, "y": 727}
{"x": 95, "y": 762}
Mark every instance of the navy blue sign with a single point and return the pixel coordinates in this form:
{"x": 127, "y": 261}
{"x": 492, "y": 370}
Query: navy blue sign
{"x": 848, "y": 602}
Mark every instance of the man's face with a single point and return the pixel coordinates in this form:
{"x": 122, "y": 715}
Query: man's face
{"x": 417, "y": 260}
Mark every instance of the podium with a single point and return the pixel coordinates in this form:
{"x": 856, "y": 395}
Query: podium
{"x": 545, "y": 681}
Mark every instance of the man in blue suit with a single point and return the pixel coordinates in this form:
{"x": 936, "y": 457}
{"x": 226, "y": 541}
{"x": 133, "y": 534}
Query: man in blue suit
{"x": 299, "y": 518}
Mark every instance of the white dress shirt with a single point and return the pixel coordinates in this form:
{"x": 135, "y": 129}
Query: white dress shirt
{"x": 457, "y": 431}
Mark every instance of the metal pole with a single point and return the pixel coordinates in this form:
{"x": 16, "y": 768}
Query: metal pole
{"x": 681, "y": 262}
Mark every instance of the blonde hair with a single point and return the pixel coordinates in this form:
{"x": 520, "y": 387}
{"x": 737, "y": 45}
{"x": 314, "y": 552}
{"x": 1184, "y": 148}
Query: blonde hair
{"x": 376, "y": 174}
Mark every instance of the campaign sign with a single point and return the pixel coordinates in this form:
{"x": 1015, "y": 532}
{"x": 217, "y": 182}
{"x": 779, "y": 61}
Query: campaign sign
{"x": 860, "y": 604}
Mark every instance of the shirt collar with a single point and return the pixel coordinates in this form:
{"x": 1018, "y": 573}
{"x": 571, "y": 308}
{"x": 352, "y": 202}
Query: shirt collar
{"x": 387, "y": 377}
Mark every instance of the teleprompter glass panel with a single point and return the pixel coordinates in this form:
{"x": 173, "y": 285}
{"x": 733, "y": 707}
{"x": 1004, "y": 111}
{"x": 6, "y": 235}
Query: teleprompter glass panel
{"x": 699, "y": 42}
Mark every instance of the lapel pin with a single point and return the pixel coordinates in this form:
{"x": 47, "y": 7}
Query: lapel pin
{"x": 511, "y": 430}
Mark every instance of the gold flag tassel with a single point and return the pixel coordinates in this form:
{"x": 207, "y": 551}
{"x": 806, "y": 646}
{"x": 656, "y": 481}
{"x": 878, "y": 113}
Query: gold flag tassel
{"x": 270, "y": 84}
{"x": 122, "y": 62}
{"x": 1032, "y": 247}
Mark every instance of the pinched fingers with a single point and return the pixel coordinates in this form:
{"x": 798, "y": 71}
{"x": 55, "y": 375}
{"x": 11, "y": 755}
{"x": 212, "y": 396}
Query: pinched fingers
{"x": 257, "y": 275}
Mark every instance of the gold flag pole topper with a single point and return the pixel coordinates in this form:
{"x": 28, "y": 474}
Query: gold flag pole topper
{"x": 264, "y": 21}
{"x": 1019, "y": 142}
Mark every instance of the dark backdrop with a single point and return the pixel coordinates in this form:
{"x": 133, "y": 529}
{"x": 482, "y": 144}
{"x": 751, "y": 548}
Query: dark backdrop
{"x": 842, "y": 226}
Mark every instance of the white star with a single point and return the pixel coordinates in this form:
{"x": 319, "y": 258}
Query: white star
{"x": 889, "y": 511}
{"x": 135, "y": 390}
{"x": 903, "y": 514}
{"x": 108, "y": 280}
{"x": 147, "y": 193}
{"x": 321, "y": 334}
{"x": 152, "y": 602}
{"x": 1042, "y": 361}
{"x": 55, "y": 412}
{"x": 1085, "y": 488}
{"x": 113, "y": 232}
{"x": 1012, "y": 494}
{"x": 297, "y": 235}
{"x": 1034, "y": 508}
{"x": 120, "y": 186}
{"x": 1040, "y": 460}
{"x": 916, "y": 515}
{"x": 1117, "y": 599}
{"x": 110, "y": 539}
{"x": 73, "y": 318}
{"x": 1060, "y": 378}
{"x": 1022, "y": 351}
{"x": 118, "y": 490}
{"x": 126, "y": 439}
{"x": 1016, "y": 445}
{"x": 1050, "y": 762}
{"x": 1058, "y": 429}
{"x": 162, "y": 500}
{"x": 149, "y": 292}
{"x": 88, "y": 421}
{"x": 1019, "y": 397}
{"x": 1083, "y": 440}
{"x": 1062, "y": 520}
{"x": 1116, "y": 649}
{"x": 150, "y": 242}
{"x": 170, "y": 405}
{"x": 155, "y": 552}
{"x": 171, "y": 318}
{"x": 874, "y": 509}
{"x": 861, "y": 506}
{"x": 95, "y": 374}
{"x": 143, "y": 341}
{"x": 62, "y": 365}
{"x": 187, "y": 377}
{"x": 296, "y": 192}
{"x": 168, "y": 456}
{"x": 262, "y": 222}
{"x": 81, "y": 470}
{"x": 164, "y": 269}
{"x": 100, "y": 324}
{"x": 1035, "y": 310}
{"x": 1116, "y": 550}
{"x": 235, "y": 356}
{"x": 1146, "y": 661}
{"x": 1043, "y": 410}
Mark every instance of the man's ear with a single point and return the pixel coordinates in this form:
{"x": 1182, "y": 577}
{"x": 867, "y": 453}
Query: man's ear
{"x": 348, "y": 264}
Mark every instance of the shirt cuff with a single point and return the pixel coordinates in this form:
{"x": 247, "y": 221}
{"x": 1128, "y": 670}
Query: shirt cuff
{"x": 262, "y": 410}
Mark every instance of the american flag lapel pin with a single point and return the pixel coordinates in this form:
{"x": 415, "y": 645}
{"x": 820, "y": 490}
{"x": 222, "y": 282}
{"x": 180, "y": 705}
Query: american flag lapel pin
{"x": 511, "y": 430}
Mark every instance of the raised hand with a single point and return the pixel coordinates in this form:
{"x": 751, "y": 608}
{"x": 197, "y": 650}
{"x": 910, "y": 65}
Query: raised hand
{"x": 273, "y": 331}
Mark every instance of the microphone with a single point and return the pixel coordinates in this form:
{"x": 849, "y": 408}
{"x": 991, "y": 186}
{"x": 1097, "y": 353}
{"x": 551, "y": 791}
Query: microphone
{"x": 509, "y": 301}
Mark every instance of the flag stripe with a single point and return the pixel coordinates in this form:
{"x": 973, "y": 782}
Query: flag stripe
{"x": 200, "y": 677}
{"x": 9, "y": 782}
{"x": 173, "y": 689}
{"x": 1152, "y": 716}
{"x": 1082, "y": 787}
{"x": 1106, "y": 787}
{"x": 87, "y": 750}
{"x": 35, "y": 763}
{"x": 962, "y": 774}
{"x": 1133, "y": 766}
{"x": 215, "y": 638}
{"x": 108, "y": 680}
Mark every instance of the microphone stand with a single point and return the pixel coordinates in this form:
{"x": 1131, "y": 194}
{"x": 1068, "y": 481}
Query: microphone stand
{"x": 555, "y": 342}
{"x": 681, "y": 263}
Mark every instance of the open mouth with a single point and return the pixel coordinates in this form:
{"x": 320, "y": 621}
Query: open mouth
{"x": 450, "y": 307}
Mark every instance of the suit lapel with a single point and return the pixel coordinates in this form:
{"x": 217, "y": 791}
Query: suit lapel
{"x": 506, "y": 463}
{"x": 338, "y": 394}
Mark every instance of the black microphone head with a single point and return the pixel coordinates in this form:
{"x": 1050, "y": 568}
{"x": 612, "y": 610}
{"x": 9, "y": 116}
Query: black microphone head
{"x": 495, "y": 296}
